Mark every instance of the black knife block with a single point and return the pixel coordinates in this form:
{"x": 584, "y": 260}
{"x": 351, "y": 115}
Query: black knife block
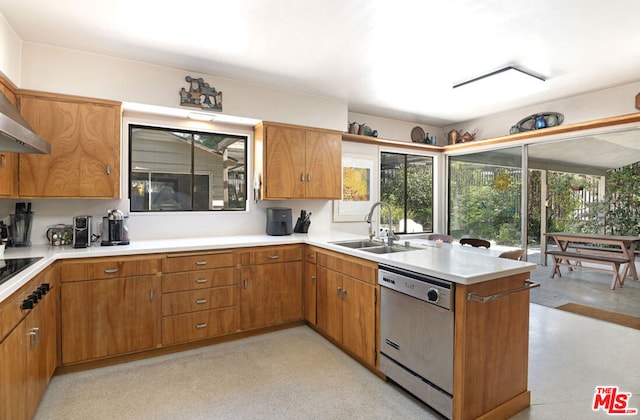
{"x": 302, "y": 226}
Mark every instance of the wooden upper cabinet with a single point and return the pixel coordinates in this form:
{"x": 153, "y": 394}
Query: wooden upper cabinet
{"x": 297, "y": 162}
{"x": 85, "y": 147}
{"x": 8, "y": 161}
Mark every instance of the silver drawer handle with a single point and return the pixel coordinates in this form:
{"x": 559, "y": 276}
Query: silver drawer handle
{"x": 274, "y": 257}
{"x": 201, "y": 280}
{"x": 201, "y": 301}
{"x": 200, "y": 326}
{"x": 111, "y": 270}
{"x": 201, "y": 263}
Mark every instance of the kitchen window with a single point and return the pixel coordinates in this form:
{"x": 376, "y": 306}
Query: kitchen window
{"x": 406, "y": 183}
{"x": 182, "y": 170}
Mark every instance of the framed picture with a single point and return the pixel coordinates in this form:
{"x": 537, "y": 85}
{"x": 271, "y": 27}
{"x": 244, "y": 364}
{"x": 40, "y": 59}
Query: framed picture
{"x": 359, "y": 188}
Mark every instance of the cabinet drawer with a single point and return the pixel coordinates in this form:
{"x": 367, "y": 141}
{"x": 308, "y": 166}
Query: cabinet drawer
{"x": 310, "y": 254}
{"x": 105, "y": 268}
{"x": 174, "y": 263}
{"x": 199, "y": 325}
{"x": 198, "y": 280}
{"x": 198, "y": 300}
{"x": 363, "y": 270}
{"x": 277, "y": 254}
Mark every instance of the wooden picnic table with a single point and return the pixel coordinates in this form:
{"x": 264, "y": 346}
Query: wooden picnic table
{"x": 595, "y": 248}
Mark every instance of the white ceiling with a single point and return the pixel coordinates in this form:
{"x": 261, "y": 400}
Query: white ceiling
{"x": 396, "y": 59}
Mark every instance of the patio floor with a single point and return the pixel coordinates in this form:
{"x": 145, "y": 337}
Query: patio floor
{"x": 585, "y": 287}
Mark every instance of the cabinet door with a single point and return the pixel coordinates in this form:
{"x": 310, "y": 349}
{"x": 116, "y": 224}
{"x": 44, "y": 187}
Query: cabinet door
{"x": 359, "y": 319}
{"x": 8, "y": 161}
{"x": 8, "y": 174}
{"x": 85, "y": 148}
{"x": 14, "y": 377}
{"x": 285, "y": 175}
{"x": 103, "y": 318}
{"x": 323, "y": 165}
{"x": 329, "y": 307}
{"x": 271, "y": 294}
{"x": 310, "y": 287}
{"x": 42, "y": 356}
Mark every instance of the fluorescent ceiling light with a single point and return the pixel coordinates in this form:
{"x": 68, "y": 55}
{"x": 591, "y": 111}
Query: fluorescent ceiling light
{"x": 505, "y": 82}
{"x": 187, "y": 113}
{"x": 200, "y": 116}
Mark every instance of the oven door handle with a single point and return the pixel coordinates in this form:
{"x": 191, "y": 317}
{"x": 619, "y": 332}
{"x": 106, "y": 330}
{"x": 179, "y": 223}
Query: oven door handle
{"x": 528, "y": 285}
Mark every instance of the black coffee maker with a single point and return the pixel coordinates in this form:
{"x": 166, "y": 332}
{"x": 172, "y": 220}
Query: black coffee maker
{"x": 114, "y": 229}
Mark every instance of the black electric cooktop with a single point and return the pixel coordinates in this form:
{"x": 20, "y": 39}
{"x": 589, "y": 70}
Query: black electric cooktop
{"x": 11, "y": 267}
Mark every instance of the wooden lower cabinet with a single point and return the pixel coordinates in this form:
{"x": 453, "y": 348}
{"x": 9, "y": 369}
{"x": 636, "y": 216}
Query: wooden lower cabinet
{"x": 28, "y": 355}
{"x": 491, "y": 363}
{"x": 347, "y": 306}
{"x": 107, "y": 317}
{"x": 271, "y": 293}
{"x": 199, "y": 304}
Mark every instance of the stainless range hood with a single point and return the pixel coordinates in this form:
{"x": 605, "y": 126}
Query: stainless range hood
{"x": 15, "y": 134}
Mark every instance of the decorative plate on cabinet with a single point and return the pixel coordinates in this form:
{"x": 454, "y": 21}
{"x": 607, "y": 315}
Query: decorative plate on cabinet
{"x": 417, "y": 135}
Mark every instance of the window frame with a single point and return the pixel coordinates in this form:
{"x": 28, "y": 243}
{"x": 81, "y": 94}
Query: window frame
{"x": 406, "y": 154}
{"x": 193, "y": 172}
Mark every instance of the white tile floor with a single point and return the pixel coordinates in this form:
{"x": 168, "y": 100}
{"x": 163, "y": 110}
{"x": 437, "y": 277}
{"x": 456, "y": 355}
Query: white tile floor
{"x": 569, "y": 356}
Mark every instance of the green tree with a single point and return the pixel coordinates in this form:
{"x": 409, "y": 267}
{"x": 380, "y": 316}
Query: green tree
{"x": 619, "y": 211}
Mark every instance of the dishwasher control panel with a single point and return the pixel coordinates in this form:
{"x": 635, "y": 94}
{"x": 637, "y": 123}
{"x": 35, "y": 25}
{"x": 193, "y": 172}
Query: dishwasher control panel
{"x": 429, "y": 289}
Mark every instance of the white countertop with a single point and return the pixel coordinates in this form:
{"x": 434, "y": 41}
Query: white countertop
{"x": 465, "y": 265}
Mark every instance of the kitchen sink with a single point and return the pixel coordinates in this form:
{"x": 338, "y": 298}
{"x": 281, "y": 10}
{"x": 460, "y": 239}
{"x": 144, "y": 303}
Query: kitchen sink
{"x": 360, "y": 243}
{"x": 385, "y": 249}
{"x": 375, "y": 247}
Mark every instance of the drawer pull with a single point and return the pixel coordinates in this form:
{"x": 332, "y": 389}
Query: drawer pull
{"x": 111, "y": 270}
{"x": 201, "y": 301}
{"x": 274, "y": 257}
{"x": 201, "y": 280}
{"x": 201, "y": 262}
{"x": 202, "y": 325}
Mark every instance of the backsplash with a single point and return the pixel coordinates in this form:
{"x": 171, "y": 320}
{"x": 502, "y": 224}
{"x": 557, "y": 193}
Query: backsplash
{"x": 146, "y": 226}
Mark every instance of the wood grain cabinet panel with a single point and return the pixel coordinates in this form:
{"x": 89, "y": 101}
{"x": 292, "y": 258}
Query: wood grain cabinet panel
{"x": 298, "y": 162}
{"x": 85, "y": 147}
{"x": 174, "y": 263}
{"x": 28, "y": 355}
{"x": 271, "y": 294}
{"x": 347, "y": 304}
{"x": 198, "y": 300}
{"x": 107, "y": 317}
{"x": 8, "y": 161}
{"x": 110, "y": 267}
{"x": 203, "y": 279}
{"x": 199, "y": 325}
{"x": 310, "y": 286}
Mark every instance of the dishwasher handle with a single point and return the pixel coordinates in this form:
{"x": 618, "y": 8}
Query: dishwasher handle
{"x": 528, "y": 285}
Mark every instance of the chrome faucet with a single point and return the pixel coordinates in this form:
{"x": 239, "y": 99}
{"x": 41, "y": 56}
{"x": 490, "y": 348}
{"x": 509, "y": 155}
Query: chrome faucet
{"x": 391, "y": 236}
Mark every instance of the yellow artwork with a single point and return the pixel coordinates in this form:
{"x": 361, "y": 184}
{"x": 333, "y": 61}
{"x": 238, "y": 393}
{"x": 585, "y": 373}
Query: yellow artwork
{"x": 356, "y": 184}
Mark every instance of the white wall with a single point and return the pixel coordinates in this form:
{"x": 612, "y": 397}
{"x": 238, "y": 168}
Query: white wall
{"x": 9, "y": 51}
{"x": 392, "y": 129}
{"x": 66, "y": 71}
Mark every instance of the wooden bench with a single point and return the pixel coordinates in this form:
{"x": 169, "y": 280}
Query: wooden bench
{"x": 575, "y": 259}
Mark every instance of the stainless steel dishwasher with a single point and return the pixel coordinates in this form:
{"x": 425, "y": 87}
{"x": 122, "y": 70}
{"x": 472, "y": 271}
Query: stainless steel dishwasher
{"x": 416, "y": 335}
